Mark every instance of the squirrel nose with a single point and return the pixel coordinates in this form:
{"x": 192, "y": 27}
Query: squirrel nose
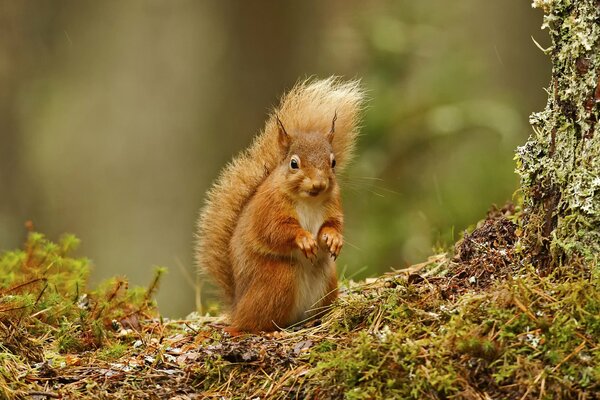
{"x": 318, "y": 186}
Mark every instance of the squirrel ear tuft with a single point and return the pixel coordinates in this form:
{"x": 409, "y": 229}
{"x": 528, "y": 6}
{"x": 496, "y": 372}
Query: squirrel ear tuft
{"x": 332, "y": 130}
{"x": 284, "y": 138}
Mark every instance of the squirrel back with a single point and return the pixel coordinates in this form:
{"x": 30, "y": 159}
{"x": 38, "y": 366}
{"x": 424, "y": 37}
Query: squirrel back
{"x": 309, "y": 106}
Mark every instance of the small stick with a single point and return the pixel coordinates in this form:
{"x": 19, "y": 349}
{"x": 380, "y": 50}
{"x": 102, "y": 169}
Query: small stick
{"x": 573, "y": 353}
{"x": 47, "y": 394}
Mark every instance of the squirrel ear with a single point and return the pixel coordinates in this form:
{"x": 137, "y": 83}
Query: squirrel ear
{"x": 284, "y": 138}
{"x": 332, "y": 131}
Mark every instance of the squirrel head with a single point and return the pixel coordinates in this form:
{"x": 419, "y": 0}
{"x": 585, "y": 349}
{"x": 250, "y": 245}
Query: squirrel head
{"x": 309, "y": 162}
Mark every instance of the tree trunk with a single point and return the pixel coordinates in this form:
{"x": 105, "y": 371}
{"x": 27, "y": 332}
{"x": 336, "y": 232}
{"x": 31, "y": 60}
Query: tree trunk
{"x": 560, "y": 164}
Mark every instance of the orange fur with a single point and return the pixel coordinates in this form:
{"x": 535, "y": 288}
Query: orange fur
{"x": 267, "y": 231}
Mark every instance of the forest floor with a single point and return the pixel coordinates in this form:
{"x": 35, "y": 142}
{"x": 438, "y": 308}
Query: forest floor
{"x": 478, "y": 324}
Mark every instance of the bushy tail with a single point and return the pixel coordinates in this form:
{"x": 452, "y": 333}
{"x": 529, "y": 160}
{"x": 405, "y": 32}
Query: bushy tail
{"x": 309, "y": 106}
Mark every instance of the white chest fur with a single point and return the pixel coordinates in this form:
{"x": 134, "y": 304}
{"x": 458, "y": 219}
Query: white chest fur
{"x": 310, "y": 216}
{"x": 311, "y": 278}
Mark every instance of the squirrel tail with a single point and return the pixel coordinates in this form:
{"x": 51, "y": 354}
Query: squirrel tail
{"x": 308, "y": 107}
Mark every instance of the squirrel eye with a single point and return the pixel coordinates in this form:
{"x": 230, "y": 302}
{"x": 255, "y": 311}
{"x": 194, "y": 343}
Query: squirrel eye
{"x": 294, "y": 163}
{"x": 332, "y": 161}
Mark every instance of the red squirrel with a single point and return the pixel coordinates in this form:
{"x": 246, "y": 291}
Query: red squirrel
{"x": 272, "y": 225}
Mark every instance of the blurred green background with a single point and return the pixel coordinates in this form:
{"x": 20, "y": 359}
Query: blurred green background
{"x": 115, "y": 117}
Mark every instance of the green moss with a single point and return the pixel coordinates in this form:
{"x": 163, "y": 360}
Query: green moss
{"x": 503, "y": 342}
{"x": 112, "y": 352}
{"x": 68, "y": 343}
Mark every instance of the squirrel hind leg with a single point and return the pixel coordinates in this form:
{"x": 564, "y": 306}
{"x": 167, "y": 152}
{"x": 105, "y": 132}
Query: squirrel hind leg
{"x": 268, "y": 299}
{"x": 330, "y": 296}
{"x": 332, "y": 290}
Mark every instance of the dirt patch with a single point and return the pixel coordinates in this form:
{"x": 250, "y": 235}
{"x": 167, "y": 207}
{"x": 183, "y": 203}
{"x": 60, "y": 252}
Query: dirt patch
{"x": 485, "y": 255}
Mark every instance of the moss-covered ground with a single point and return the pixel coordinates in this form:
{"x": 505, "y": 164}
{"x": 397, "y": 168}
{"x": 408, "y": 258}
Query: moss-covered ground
{"x": 479, "y": 324}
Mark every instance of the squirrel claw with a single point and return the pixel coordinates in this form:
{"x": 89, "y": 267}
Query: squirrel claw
{"x": 333, "y": 240}
{"x": 307, "y": 244}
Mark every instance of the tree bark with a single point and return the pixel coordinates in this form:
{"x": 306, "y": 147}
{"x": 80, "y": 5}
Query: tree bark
{"x": 560, "y": 164}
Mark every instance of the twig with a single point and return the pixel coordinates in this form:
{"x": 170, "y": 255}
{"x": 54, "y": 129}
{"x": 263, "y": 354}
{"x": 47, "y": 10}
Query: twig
{"x": 522, "y": 307}
{"x": 12, "y": 289}
{"x": 573, "y": 353}
{"x": 47, "y": 394}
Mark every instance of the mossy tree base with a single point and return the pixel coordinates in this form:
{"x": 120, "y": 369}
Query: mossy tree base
{"x": 560, "y": 164}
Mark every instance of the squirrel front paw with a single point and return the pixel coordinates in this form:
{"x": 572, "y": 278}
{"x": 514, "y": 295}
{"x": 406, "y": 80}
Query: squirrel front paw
{"x": 331, "y": 238}
{"x": 307, "y": 244}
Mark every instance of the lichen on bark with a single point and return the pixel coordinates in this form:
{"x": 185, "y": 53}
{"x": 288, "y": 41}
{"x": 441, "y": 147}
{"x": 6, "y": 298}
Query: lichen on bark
{"x": 560, "y": 163}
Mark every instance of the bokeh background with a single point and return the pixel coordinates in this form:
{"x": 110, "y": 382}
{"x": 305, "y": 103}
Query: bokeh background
{"x": 115, "y": 116}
